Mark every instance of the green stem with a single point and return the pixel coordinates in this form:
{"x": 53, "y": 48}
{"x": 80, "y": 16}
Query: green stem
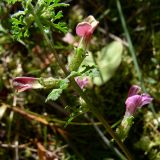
{"x": 81, "y": 93}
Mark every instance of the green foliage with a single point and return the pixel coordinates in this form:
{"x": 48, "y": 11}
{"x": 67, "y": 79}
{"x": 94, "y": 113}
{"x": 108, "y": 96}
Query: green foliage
{"x": 77, "y": 110}
{"x": 55, "y": 93}
{"x": 108, "y": 61}
{"x": 63, "y": 84}
{"x": 19, "y": 27}
{"x": 84, "y": 71}
{"x": 90, "y": 71}
{"x": 75, "y": 113}
{"x": 45, "y": 11}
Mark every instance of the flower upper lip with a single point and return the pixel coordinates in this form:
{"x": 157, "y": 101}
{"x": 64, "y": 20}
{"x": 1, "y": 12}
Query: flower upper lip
{"x": 134, "y": 90}
{"x": 87, "y": 27}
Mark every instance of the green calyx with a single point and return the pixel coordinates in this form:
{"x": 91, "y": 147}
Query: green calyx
{"x": 124, "y": 128}
{"x": 77, "y": 59}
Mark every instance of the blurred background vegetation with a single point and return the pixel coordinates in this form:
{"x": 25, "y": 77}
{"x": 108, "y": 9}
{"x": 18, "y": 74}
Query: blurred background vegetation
{"x": 31, "y": 129}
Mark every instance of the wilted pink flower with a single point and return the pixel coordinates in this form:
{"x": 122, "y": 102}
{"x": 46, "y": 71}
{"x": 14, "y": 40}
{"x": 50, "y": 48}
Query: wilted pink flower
{"x": 135, "y": 100}
{"x": 81, "y": 82}
{"x": 85, "y": 29}
{"x": 24, "y": 83}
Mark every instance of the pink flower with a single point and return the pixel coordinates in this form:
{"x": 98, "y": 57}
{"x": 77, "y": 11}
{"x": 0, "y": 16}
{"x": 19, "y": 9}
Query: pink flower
{"x": 81, "y": 82}
{"x": 85, "y": 29}
{"x": 24, "y": 83}
{"x": 135, "y": 100}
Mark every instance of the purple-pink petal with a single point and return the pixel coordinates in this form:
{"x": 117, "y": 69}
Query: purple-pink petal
{"x": 84, "y": 29}
{"x": 135, "y": 101}
{"x": 134, "y": 90}
{"x": 81, "y": 82}
{"x": 25, "y": 80}
{"x": 132, "y": 103}
{"x": 23, "y": 83}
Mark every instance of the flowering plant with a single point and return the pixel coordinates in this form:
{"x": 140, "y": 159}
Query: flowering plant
{"x": 73, "y": 77}
{"x": 72, "y": 70}
{"x": 45, "y": 21}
